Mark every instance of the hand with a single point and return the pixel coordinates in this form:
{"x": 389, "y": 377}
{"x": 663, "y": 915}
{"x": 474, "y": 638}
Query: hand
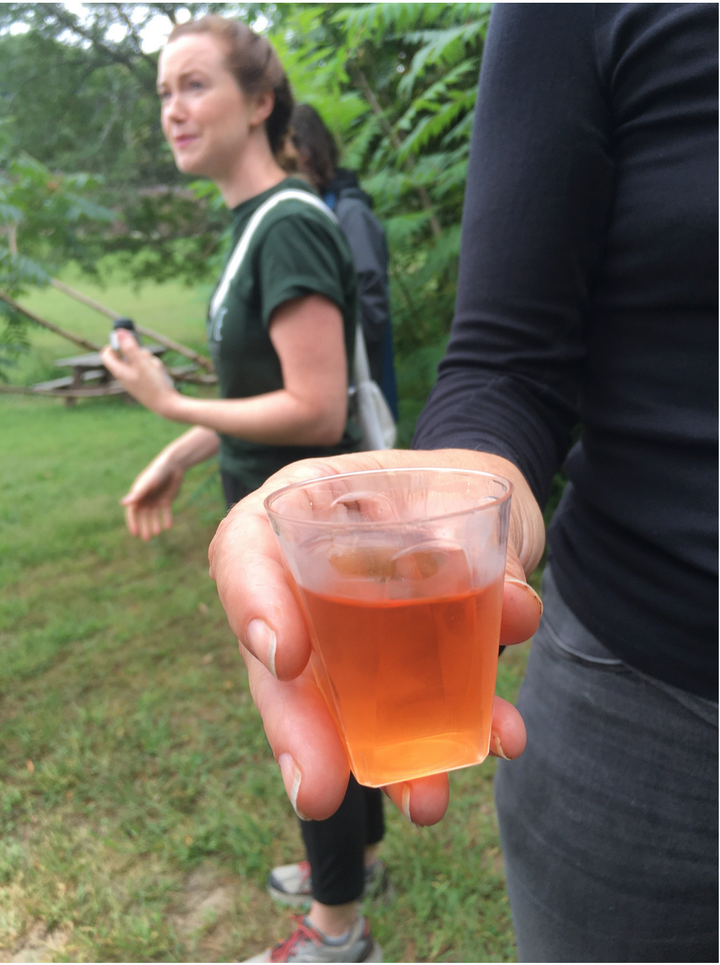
{"x": 148, "y": 504}
{"x": 245, "y": 563}
{"x": 141, "y": 374}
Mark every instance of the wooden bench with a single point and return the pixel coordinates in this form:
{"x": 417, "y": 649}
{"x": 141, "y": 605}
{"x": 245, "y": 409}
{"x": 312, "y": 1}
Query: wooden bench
{"x": 67, "y": 380}
{"x": 91, "y": 379}
{"x": 87, "y": 368}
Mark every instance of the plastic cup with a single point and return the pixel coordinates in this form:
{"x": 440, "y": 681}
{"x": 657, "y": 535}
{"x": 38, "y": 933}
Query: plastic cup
{"x": 399, "y": 574}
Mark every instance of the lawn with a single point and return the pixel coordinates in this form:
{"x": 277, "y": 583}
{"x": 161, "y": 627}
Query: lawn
{"x": 140, "y": 808}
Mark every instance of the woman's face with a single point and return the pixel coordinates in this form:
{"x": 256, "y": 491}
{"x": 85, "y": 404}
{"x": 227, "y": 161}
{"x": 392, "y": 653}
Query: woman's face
{"x": 205, "y": 116}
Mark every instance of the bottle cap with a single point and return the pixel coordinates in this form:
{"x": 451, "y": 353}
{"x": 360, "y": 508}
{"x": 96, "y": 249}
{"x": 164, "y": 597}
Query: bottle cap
{"x": 128, "y": 325}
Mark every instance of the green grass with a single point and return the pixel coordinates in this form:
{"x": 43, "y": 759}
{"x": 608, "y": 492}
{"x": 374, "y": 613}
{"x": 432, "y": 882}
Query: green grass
{"x": 140, "y": 808}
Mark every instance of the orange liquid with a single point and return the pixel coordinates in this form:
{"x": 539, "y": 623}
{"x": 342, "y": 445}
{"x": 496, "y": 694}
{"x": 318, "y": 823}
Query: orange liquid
{"x": 411, "y": 681}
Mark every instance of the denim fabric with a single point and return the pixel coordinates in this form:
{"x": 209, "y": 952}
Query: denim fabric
{"x": 609, "y": 819}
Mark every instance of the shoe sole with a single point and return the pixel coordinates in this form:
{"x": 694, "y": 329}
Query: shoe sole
{"x": 376, "y": 954}
{"x": 385, "y": 897}
{"x": 292, "y": 901}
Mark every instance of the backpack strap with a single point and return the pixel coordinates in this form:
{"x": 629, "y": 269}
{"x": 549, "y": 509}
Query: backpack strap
{"x": 238, "y": 255}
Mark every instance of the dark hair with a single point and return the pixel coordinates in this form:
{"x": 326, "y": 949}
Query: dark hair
{"x": 252, "y": 61}
{"x": 315, "y": 145}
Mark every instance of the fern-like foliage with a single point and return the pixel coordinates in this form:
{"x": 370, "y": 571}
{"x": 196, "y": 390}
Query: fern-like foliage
{"x": 408, "y": 73}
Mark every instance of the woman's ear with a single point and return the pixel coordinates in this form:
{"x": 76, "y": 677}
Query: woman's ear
{"x": 263, "y": 107}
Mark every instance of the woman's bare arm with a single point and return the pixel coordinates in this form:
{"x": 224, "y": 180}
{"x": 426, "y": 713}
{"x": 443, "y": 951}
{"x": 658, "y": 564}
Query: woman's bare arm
{"x": 310, "y": 409}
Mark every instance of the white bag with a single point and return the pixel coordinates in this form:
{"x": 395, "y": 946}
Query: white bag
{"x": 374, "y": 415}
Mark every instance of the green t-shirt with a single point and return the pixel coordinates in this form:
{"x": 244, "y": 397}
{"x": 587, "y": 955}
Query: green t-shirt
{"x": 296, "y": 250}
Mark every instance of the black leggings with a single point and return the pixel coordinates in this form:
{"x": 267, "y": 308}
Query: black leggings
{"x": 335, "y": 847}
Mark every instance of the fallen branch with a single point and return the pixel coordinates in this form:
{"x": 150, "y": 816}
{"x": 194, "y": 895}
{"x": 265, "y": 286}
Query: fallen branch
{"x": 78, "y": 393}
{"x": 177, "y": 347}
{"x": 16, "y": 389}
{"x": 82, "y": 342}
{"x": 201, "y": 360}
{"x": 207, "y": 378}
{"x": 79, "y": 297}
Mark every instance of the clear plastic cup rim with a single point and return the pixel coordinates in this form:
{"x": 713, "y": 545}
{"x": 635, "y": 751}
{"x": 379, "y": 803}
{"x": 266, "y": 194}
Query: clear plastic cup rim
{"x": 492, "y": 501}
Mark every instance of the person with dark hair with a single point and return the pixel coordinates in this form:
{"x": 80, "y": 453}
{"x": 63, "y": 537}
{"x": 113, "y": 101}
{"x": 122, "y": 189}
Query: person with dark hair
{"x": 587, "y": 295}
{"x": 281, "y": 324}
{"x": 317, "y": 157}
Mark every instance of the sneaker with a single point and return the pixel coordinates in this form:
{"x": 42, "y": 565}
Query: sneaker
{"x": 308, "y": 944}
{"x": 291, "y": 884}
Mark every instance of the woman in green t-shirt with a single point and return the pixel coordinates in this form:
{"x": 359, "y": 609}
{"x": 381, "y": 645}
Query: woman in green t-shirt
{"x": 281, "y": 326}
{"x": 282, "y": 333}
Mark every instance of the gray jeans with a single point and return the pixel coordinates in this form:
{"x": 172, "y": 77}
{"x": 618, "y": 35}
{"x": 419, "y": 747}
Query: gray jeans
{"x": 609, "y": 819}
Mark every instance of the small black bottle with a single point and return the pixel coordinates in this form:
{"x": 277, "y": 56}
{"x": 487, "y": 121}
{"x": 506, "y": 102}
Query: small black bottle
{"x": 128, "y": 325}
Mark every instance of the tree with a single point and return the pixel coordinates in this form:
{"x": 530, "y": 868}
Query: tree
{"x": 77, "y": 92}
{"x": 44, "y": 219}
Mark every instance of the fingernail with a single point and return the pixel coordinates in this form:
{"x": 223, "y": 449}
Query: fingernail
{"x": 405, "y": 805}
{"x": 291, "y": 779}
{"x": 526, "y": 586}
{"x": 497, "y": 747}
{"x": 262, "y": 641}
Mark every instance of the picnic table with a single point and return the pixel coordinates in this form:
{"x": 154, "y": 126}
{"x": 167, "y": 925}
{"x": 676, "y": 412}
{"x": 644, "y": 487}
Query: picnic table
{"x": 89, "y": 377}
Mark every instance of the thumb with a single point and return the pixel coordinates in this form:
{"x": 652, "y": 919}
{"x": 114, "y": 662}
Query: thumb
{"x": 148, "y": 480}
{"x": 522, "y": 607}
{"x": 128, "y": 344}
{"x": 134, "y": 495}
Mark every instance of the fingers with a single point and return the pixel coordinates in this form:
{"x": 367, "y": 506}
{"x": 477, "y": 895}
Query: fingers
{"x": 109, "y": 359}
{"x": 508, "y": 735}
{"x": 253, "y": 586}
{"x": 522, "y": 607}
{"x": 147, "y": 522}
{"x": 303, "y": 739}
{"x": 131, "y": 519}
{"x": 423, "y": 801}
{"x": 312, "y": 760}
{"x": 121, "y": 365}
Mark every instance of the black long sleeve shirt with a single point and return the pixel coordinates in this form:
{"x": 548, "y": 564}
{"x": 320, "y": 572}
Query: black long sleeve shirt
{"x": 588, "y": 294}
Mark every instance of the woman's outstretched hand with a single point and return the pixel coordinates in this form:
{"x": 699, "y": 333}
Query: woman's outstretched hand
{"x": 148, "y": 504}
{"x": 245, "y": 563}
